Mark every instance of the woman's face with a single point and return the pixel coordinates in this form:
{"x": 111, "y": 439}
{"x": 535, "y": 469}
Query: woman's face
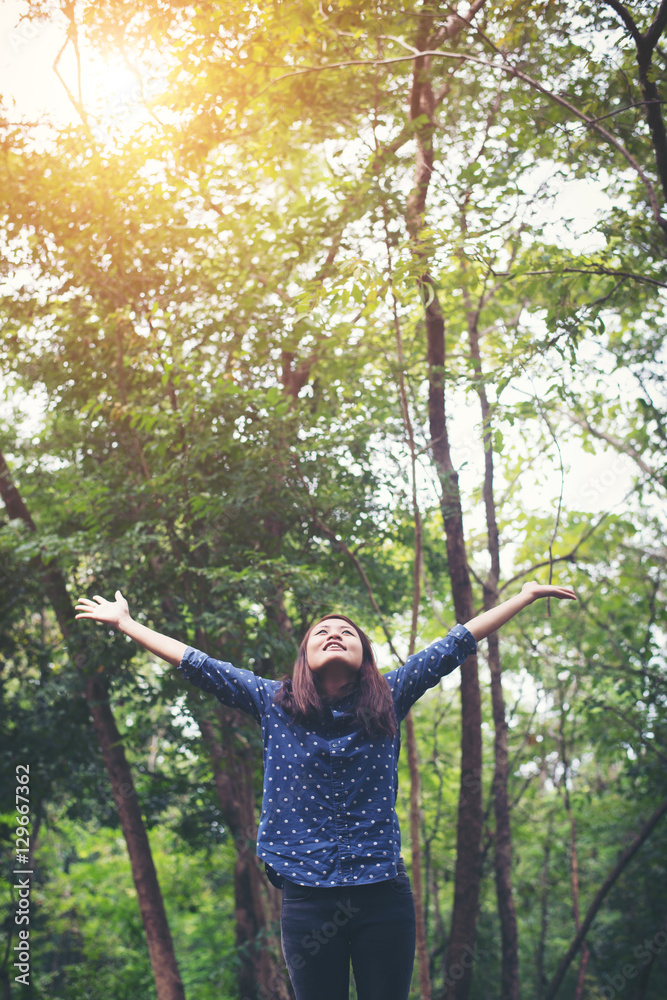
{"x": 334, "y": 642}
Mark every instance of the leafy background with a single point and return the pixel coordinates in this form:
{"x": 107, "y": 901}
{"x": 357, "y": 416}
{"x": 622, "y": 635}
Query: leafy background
{"x": 203, "y": 273}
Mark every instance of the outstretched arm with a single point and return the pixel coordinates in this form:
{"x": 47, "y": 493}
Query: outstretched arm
{"x": 117, "y": 614}
{"x": 491, "y": 620}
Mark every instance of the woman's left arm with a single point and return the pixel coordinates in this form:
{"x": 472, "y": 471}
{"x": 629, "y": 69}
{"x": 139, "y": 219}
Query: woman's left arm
{"x": 493, "y": 619}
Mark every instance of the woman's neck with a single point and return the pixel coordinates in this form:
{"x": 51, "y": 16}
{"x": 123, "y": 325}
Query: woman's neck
{"x": 334, "y": 692}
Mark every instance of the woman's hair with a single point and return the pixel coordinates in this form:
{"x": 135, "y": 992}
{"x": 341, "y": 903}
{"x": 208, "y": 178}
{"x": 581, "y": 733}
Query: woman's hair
{"x": 373, "y": 705}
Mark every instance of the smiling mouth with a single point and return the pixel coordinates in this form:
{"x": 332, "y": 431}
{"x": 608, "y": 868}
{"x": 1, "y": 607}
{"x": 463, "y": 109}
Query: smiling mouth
{"x": 334, "y": 645}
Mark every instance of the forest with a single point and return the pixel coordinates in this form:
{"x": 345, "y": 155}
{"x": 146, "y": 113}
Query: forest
{"x": 337, "y": 305}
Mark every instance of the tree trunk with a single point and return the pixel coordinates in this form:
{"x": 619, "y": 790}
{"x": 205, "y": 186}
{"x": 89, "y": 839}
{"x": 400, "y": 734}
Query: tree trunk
{"x": 469, "y": 824}
{"x": 540, "y": 978}
{"x": 440, "y": 930}
{"x": 259, "y": 974}
{"x": 645, "y": 45}
{"x": 574, "y": 856}
{"x": 168, "y": 983}
{"x": 415, "y": 841}
{"x": 460, "y": 955}
{"x": 581, "y": 976}
{"x": 509, "y": 979}
{"x": 413, "y": 756}
{"x": 645, "y": 974}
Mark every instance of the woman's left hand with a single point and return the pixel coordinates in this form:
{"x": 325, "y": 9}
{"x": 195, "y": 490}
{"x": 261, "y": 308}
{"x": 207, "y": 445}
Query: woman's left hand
{"x": 535, "y": 590}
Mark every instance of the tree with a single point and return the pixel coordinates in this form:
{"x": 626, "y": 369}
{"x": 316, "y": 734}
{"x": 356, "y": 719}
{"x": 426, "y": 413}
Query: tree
{"x": 206, "y": 303}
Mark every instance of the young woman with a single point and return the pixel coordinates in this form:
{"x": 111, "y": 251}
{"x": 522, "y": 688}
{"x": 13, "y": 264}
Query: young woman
{"x": 328, "y": 832}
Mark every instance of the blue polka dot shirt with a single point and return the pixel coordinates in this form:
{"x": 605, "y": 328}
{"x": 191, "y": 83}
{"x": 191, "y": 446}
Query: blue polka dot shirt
{"x": 328, "y": 809}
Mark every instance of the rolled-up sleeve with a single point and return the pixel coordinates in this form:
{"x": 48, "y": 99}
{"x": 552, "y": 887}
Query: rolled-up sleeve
{"x": 231, "y": 685}
{"x": 423, "y": 670}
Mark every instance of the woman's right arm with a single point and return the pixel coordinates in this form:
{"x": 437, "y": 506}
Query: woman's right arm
{"x": 231, "y": 685}
{"x": 117, "y": 614}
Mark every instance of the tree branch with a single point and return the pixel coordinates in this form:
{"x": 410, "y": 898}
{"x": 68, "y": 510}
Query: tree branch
{"x": 645, "y": 44}
{"x": 621, "y": 446}
{"x": 622, "y": 862}
{"x": 455, "y": 24}
{"x": 627, "y": 19}
{"x": 568, "y": 557}
{"x": 653, "y": 33}
{"x": 588, "y": 270}
{"x": 325, "y": 529}
{"x": 73, "y": 37}
{"x": 512, "y": 71}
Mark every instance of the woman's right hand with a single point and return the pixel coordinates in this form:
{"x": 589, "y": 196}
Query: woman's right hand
{"x": 117, "y": 614}
{"x": 100, "y": 610}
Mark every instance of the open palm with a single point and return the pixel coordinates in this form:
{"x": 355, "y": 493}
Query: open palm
{"x": 536, "y": 590}
{"x": 101, "y": 610}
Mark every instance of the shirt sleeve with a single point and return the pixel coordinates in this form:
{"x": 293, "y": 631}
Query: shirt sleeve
{"x": 232, "y": 686}
{"x": 423, "y": 670}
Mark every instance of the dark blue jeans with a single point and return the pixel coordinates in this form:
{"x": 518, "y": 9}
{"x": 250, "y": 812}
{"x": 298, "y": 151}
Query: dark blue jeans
{"x": 372, "y": 926}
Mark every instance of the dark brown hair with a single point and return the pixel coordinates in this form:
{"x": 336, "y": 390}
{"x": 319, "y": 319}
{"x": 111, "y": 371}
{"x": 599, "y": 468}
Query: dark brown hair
{"x": 373, "y": 705}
